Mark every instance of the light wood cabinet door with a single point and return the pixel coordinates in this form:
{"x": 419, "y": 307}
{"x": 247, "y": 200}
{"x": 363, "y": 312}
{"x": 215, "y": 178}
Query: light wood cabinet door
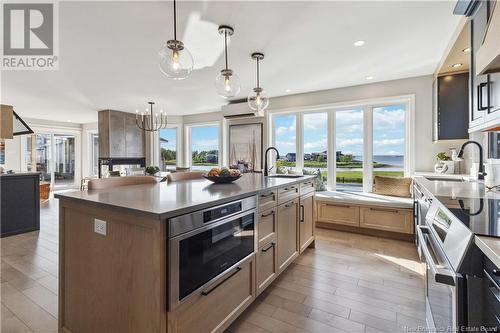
{"x": 287, "y": 233}
{"x": 338, "y": 213}
{"x": 267, "y": 266}
{"x": 266, "y": 227}
{"x": 306, "y": 221}
{"x": 307, "y": 187}
{"x": 216, "y": 307}
{"x": 387, "y": 219}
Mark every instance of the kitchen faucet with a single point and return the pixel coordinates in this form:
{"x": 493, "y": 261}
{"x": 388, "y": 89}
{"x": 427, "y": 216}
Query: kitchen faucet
{"x": 481, "y": 172}
{"x": 266, "y": 171}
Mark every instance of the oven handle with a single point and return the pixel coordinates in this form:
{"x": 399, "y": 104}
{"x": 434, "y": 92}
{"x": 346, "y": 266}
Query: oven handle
{"x": 495, "y": 290}
{"x": 206, "y": 292}
{"x": 441, "y": 275}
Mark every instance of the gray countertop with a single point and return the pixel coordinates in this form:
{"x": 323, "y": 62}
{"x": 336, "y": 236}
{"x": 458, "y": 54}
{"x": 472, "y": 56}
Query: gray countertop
{"x": 165, "y": 200}
{"x": 490, "y": 246}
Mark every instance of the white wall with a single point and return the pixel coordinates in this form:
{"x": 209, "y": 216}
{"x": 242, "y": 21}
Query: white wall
{"x": 421, "y": 87}
{"x": 87, "y": 131}
{"x": 13, "y": 153}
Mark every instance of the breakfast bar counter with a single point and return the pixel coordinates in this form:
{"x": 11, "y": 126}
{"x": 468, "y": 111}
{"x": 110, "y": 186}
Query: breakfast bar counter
{"x": 185, "y": 256}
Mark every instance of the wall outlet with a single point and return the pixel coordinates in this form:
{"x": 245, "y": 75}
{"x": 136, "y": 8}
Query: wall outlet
{"x": 100, "y": 227}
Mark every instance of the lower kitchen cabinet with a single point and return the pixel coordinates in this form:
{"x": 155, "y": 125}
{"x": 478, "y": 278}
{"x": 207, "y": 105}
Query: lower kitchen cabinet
{"x": 306, "y": 221}
{"x": 267, "y": 265}
{"x": 214, "y": 309}
{"x": 287, "y": 233}
{"x": 387, "y": 219}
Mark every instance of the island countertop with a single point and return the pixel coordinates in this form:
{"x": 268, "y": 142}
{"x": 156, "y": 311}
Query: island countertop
{"x": 166, "y": 200}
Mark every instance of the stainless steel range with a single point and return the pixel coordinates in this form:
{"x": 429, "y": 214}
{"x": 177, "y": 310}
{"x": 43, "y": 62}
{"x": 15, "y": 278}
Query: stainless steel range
{"x": 454, "y": 264}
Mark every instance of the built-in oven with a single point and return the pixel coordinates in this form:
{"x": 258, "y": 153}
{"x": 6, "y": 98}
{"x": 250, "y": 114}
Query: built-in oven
{"x": 490, "y": 314}
{"x": 444, "y": 288}
{"x": 206, "y": 247}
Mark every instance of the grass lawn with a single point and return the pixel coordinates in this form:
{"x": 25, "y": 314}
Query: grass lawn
{"x": 316, "y": 164}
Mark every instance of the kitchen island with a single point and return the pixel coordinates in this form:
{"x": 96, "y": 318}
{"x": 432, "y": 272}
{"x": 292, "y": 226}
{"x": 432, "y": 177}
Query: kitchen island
{"x": 186, "y": 256}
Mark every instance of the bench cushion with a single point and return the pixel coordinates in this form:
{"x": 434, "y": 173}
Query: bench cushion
{"x": 362, "y": 198}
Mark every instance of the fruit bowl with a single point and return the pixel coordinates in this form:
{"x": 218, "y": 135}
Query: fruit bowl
{"x": 222, "y": 176}
{"x": 222, "y": 179}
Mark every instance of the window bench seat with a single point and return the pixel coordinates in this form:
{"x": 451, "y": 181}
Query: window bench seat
{"x": 367, "y": 213}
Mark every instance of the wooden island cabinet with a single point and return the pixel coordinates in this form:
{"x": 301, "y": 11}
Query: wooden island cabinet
{"x": 116, "y": 279}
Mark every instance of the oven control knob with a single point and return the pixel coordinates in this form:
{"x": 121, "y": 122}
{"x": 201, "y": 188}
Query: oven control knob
{"x": 496, "y": 272}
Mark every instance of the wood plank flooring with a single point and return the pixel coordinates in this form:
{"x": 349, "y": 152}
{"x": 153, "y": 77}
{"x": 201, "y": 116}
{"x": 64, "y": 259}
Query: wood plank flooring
{"x": 349, "y": 283}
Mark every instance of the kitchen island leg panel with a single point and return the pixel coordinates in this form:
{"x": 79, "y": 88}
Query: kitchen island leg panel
{"x": 114, "y": 282}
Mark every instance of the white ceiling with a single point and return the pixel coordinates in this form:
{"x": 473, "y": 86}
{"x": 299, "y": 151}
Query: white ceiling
{"x": 108, "y": 52}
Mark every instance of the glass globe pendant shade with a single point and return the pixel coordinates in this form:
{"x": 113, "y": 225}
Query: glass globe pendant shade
{"x": 227, "y": 84}
{"x": 176, "y": 61}
{"x": 258, "y": 100}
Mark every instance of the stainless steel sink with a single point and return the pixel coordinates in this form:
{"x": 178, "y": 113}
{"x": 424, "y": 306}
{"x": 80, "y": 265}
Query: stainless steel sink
{"x": 285, "y": 176}
{"x": 445, "y": 179}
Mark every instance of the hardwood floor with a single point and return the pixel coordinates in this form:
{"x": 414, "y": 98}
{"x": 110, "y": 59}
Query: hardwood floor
{"x": 349, "y": 283}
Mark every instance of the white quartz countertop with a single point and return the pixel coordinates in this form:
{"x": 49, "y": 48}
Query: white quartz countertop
{"x": 165, "y": 200}
{"x": 455, "y": 189}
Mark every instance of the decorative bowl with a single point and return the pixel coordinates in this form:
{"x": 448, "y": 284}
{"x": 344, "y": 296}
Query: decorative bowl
{"x": 222, "y": 179}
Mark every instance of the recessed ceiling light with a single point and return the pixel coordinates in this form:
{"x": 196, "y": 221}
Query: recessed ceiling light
{"x": 456, "y": 65}
{"x": 369, "y": 77}
{"x": 359, "y": 43}
{"x": 467, "y": 49}
{"x": 288, "y": 90}
{"x": 69, "y": 121}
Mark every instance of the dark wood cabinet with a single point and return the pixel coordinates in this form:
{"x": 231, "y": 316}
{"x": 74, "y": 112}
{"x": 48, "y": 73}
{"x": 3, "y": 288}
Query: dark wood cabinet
{"x": 20, "y": 208}
{"x": 452, "y": 107}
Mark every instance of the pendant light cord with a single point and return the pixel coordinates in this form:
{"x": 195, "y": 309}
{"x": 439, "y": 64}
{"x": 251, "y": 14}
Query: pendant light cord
{"x": 175, "y": 21}
{"x": 258, "y": 84}
{"x": 225, "y": 45}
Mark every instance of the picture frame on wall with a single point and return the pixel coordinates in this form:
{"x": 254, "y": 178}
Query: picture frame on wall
{"x": 245, "y": 147}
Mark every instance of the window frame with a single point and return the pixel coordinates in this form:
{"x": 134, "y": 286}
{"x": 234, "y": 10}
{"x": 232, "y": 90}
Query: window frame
{"x": 187, "y": 137}
{"x": 367, "y": 105}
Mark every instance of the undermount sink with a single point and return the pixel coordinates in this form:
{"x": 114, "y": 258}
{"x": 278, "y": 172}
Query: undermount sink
{"x": 446, "y": 179}
{"x": 285, "y": 176}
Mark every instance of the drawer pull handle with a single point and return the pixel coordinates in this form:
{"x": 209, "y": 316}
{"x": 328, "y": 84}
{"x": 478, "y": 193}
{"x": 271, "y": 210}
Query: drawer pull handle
{"x": 290, "y": 204}
{"x": 268, "y": 248}
{"x": 270, "y": 194}
{"x": 268, "y": 214}
{"x": 301, "y": 213}
{"x": 208, "y": 291}
{"x": 384, "y": 210}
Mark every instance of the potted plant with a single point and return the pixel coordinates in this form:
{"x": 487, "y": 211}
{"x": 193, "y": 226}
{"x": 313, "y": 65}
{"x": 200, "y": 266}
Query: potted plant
{"x": 444, "y": 163}
{"x": 152, "y": 170}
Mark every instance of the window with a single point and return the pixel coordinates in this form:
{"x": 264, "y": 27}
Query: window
{"x": 285, "y": 135}
{"x": 168, "y": 148}
{"x": 94, "y": 146}
{"x": 349, "y": 149}
{"x": 349, "y": 143}
{"x": 204, "y": 147}
{"x": 316, "y": 143}
{"x": 389, "y": 140}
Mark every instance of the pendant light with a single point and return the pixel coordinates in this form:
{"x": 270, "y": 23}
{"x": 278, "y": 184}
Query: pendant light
{"x": 152, "y": 122}
{"x": 227, "y": 82}
{"x": 176, "y": 61}
{"x": 257, "y": 100}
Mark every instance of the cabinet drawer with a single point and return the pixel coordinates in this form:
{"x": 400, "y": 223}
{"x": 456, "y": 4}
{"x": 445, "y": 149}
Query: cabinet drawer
{"x": 307, "y": 187}
{"x": 219, "y": 304}
{"x": 267, "y": 266}
{"x": 288, "y": 193}
{"x": 266, "y": 227}
{"x": 395, "y": 220}
{"x": 337, "y": 213}
{"x": 268, "y": 200}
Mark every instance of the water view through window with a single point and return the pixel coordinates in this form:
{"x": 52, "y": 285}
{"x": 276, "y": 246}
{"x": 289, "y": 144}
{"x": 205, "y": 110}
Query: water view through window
{"x": 349, "y": 149}
{"x": 285, "y": 134}
{"x": 389, "y": 140}
{"x": 316, "y": 143}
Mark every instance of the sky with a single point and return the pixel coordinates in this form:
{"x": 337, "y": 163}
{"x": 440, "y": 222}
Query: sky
{"x": 171, "y": 135}
{"x": 388, "y": 131}
{"x": 204, "y": 138}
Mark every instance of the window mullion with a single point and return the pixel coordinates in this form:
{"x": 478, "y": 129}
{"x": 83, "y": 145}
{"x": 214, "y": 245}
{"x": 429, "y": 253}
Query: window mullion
{"x": 299, "y": 141}
{"x": 331, "y": 159}
{"x": 368, "y": 149}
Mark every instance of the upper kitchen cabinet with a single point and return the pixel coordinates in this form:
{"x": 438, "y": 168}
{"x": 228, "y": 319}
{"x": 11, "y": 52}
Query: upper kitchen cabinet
{"x": 488, "y": 55}
{"x": 484, "y": 87}
{"x": 451, "y": 92}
